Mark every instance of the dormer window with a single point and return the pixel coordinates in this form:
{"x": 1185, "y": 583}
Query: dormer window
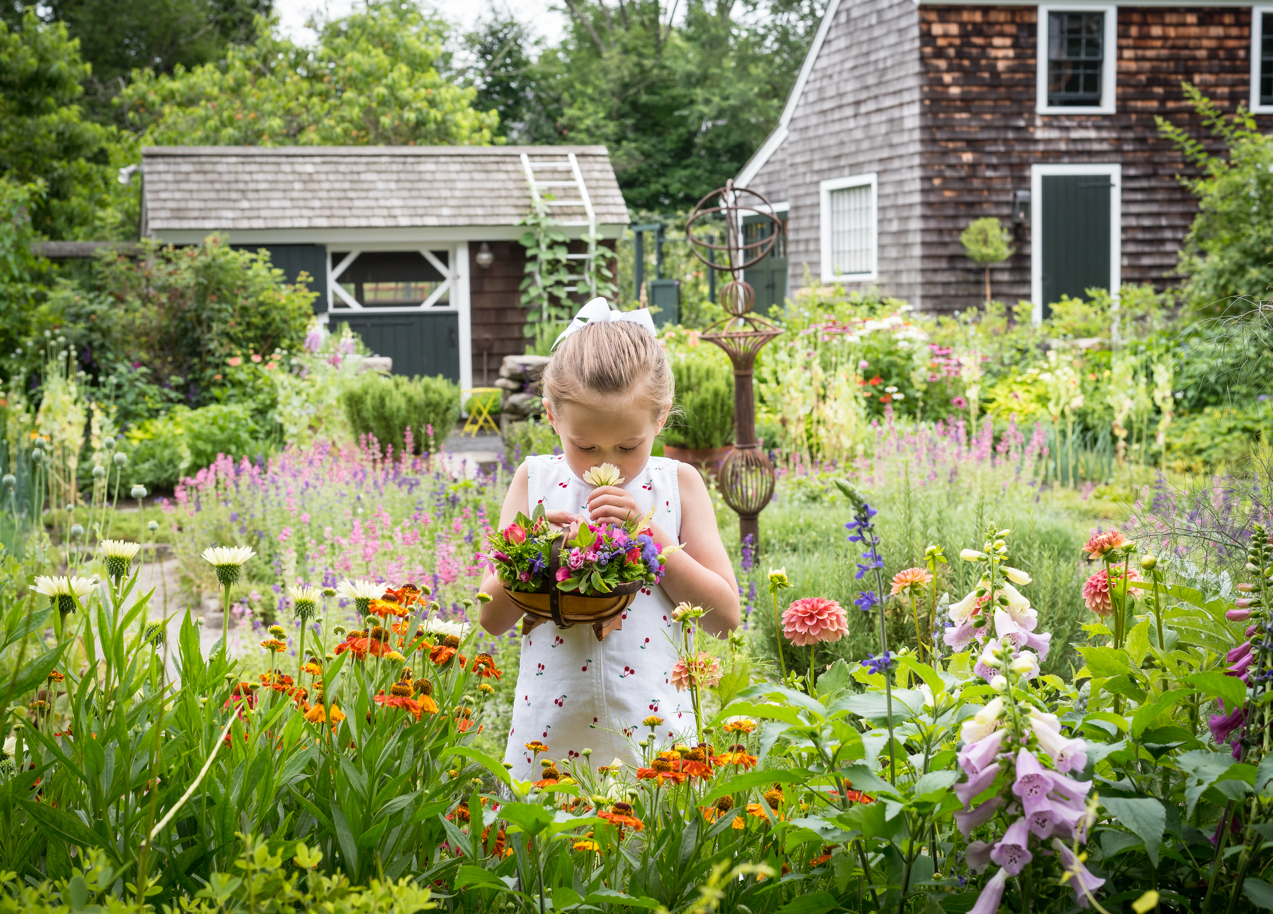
{"x": 1077, "y": 50}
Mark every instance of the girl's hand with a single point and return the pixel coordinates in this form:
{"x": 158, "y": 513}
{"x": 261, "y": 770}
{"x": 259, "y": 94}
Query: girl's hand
{"x": 611, "y": 504}
{"x": 564, "y": 519}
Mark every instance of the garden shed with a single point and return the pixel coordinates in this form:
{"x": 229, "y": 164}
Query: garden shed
{"x": 416, "y": 248}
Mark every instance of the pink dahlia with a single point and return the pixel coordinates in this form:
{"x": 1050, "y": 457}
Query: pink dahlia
{"x": 814, "y": 619}
{"x": 1096, "y": 589}
{"x": 701, "y": 671}
{"x": 1101, "y": 543}
{"x": 909, "y": 577}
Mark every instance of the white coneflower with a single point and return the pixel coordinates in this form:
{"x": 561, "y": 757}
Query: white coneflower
{"x": 118, "y": 554}
{"x": 304, "y": 601}
{"x": 64, "y": 591}
{"x": 445, "y": 628}
{"x": 361, "y": 592}
{"x": 228, "y": 561}
{"x": 605, "y": 475}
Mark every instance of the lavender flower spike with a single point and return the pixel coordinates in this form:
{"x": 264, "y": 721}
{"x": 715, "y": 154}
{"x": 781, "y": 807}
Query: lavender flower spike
{"x": 1012, "y": 852}
{"x": 988, "y": 900}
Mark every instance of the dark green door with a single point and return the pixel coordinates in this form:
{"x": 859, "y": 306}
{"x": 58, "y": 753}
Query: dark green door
{"x": 1076, "y": 242}
{"x": 769, "y": 277}
{"x": 292, "y": 259}
{"x": 427, "y": 343}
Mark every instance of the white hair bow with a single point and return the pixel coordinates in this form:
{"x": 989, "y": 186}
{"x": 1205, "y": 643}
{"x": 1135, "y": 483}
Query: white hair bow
{"x": 598, "y": 310}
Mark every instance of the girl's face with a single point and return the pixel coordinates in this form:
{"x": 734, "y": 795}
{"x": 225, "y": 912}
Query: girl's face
{"x": 617, "y": 429}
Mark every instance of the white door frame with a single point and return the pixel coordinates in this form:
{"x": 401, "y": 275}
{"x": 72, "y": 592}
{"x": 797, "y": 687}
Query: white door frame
{"x": 1115, "y": 173}
{"x": 455, "y": 280}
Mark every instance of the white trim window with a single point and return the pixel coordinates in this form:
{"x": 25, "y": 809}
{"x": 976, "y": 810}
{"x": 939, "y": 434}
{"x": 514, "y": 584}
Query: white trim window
{"x": 1112, "y": 171}
{"x": 1077, "y": 59}
{"x": 849, "y": 232}
{"x": 1262, "y": 59}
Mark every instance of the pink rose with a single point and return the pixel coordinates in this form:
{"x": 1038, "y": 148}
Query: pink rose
{"x": 563, "y": 574}
{"x": 515, "y": 533}
{"x": 524, "y": 577}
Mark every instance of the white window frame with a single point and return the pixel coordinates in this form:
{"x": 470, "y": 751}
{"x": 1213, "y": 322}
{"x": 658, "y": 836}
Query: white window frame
{"x": 1109, "y": 63}
{"x": 824, "y": 205}
{"x": 1114, "y": 172}
{"x": 455, "y": 283}
{"x": 1257, "y": 38}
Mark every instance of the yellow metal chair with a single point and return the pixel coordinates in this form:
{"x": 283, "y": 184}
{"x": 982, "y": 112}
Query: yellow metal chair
{"x": 482, "y": 402}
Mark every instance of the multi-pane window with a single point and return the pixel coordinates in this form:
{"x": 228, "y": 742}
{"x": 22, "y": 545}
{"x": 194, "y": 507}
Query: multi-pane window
{"x": 852, "y": 230}
{"x": 761, "y": 229}
{"x": 1266, "y": 57}
{"x": 1076, "y": 58}
{"x": 392, "y": 279}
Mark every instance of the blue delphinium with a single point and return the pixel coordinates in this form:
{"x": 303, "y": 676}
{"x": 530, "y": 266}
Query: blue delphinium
{"x": 878, "y": 664}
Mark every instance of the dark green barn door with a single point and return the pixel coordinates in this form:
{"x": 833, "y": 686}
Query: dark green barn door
{"x": 1076, "y": 241}
{"x": 427, "y": 343}
{"x": 292, "y": 259}
{"x": 769, "y": 277}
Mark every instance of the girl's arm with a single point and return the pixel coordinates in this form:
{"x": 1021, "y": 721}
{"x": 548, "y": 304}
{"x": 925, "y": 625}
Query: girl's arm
{"x": 701, "y": 573}
{"x": 501, "y": 614}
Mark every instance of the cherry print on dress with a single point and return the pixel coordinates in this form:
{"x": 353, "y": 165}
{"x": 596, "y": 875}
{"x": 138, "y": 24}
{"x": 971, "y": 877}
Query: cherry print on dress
{"x": 560, "y": 702}
{"x": 627, "y": 671}
{"x": 540, "y": 669}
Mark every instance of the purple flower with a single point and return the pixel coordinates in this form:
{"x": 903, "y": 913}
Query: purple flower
{"x": 1238, "y": 652}
{"x": 976, "y": 756}
{"x": 1223, "y": 725}
{"x": 961, "y": 635}
{"x": 1081, "y": 879}
{"x": 988, "y": 900}
{"x": 1033, "y": 780}
{"x": 978, "y": 856}
{"x": 1011, "y": 851}
{"x": 1067, "y": 754}
{"x": 967, "y": 821}
{"x": 972, "y": 788}
{"x": 878, "y": 664}
{"x": 866, "y": 600}
{"x": 1042, "y": 816}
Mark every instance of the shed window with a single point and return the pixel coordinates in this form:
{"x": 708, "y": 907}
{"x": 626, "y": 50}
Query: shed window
{"x": 1076, "y": 57}
{"x": 392, "y": 279}
{"x": 849, "y": 240}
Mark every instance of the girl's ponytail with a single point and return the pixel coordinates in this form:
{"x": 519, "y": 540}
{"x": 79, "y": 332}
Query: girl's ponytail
{"x": 606, "y": 358}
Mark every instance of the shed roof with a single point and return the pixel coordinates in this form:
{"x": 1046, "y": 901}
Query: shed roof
{"x": 246, "y": 188}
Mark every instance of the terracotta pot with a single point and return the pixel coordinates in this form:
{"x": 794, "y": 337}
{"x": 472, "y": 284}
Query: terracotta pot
{"x": 706, "y": 459}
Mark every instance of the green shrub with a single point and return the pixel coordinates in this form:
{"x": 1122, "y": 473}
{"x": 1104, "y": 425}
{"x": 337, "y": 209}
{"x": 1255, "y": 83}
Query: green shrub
{"x": 166, "y": 450}
{"x": 534, "y": 436}
{"x": 704, "y": 416}
{"x": 385, "y": 406}
{"x": 1219, "y": 436}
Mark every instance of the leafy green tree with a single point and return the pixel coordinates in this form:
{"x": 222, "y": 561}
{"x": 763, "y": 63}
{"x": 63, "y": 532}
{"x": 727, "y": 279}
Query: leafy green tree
{"x": 375, "y": 77}
{"x": 1228, "y": 252}
{"x": 17, "y": 265}
{"x": 45, "y": 138}
{"x": 986, "y": 241}
{"x": 680, "y": 107}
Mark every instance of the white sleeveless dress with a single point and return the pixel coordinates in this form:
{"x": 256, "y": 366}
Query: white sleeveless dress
{"x": 575, "y": 692}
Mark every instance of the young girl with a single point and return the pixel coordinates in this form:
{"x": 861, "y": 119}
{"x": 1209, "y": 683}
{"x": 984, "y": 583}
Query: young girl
{"x": 607, "y": 392}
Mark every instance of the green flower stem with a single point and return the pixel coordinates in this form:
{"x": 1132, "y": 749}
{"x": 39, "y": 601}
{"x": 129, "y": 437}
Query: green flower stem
{"x": 773, "y": 591}
{"x": 812, "y": 648}
{"x": 919, "y": 639}
{"x": 888, "y": 679}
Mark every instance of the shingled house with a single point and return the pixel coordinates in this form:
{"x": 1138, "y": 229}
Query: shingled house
{"x": 911, "y": 118}
{"x": 414, "y": 247}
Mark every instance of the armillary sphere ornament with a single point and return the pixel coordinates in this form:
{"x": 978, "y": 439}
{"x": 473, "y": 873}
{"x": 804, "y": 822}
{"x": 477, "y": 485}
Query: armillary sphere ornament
{"x": 746, "y": 477}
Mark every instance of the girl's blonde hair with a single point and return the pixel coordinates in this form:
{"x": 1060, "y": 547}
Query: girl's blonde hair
{"x": 606, "y": 358}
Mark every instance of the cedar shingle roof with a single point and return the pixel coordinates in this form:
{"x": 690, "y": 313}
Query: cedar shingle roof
{"x": 248, "y": 187}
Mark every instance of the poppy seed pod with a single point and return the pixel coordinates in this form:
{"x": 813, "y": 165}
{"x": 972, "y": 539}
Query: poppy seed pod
{"x": 120, "y": 460}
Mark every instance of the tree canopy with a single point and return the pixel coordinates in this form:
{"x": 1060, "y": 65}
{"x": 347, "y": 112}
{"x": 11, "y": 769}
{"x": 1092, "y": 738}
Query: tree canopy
{"x": 378, "y": 76}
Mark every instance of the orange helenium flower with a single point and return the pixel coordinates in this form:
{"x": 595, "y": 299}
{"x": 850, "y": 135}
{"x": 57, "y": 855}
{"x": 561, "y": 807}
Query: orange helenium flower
{"x": 737, "y": 755}
{"x": 484, "y": 666}
{"x": 621, "y": 815}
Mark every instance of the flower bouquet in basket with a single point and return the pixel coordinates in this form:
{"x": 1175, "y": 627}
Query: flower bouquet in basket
{"x": 588, "y": 577}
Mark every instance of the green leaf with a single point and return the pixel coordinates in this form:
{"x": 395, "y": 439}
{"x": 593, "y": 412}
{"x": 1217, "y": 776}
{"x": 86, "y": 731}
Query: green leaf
{"x": 925, "y": 672}
{"x": 1146, "y": 714}
{"x": 874, "y": 705}
{"x": 818, "y": 903}
{"x": 733, "y": 682}
{"x": 1258, "y": 892}
{"x": 64, "y": 825}
{"x": 1264, "y": 777}
{"x": 1143, "y": 817}
{"x": 744, "y": 782}
{"x": 1106, "y": 662}
{"x": 1213, "y": 682}
{"x": 935, "y": 781}
{"x": 475, "y": 875}
{"x": 30, "y": 625}
{"x": 1202, "y": 769}
{"x": 36, "y": 671}
{"x": 493, "y": 765}
{"x": 835, "y": 680}
{"x": 613, "y": 896}
{"x": 528, "y": 817}
{"x": 1138, "y": 643}
{"x": 345, "y": 837}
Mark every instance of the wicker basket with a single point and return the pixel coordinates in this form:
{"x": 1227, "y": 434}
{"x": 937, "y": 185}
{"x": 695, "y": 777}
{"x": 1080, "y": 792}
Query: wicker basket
{"x": 604, "y": 612}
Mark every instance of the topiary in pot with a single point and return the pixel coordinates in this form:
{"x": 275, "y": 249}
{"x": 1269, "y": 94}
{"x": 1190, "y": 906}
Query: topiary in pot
{"x": 385, "y": 406}
{"x": 703, "y": 422}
